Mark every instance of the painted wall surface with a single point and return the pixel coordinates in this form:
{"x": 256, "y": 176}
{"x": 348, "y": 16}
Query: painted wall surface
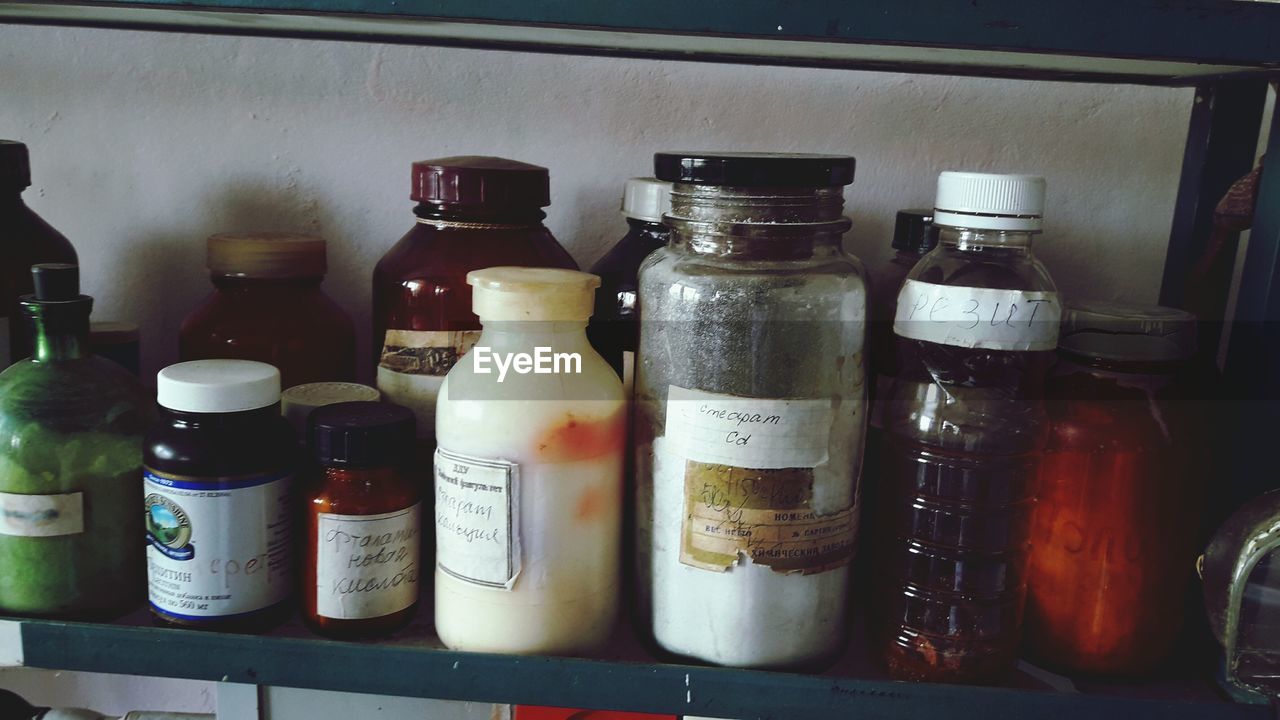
{"x": 144, "y": 144}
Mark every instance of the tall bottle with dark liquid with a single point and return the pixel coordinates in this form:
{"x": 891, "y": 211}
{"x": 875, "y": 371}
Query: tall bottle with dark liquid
{"x": 25, "y": 240}
{"x": 976, "y": 325}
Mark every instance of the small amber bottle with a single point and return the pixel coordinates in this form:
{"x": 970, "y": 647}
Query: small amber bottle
{"x": 363, "y": 521}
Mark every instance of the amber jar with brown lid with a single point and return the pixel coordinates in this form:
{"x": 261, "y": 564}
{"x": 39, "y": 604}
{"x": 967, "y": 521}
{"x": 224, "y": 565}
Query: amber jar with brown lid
{"x": 473, "y": 212}
{"x": 267, "y": 305}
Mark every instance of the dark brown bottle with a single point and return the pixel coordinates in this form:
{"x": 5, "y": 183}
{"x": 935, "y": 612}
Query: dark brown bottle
{"x": 614, "y": 330}
{"x": 25, "y": 240}
{"x": 473, "y": 213}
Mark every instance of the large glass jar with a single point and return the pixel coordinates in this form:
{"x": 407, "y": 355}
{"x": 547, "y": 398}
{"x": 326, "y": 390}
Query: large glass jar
{"x": 473, "y": 212}
{"x": 750, "y": 411}
{"x": 1115, "y": 529}
{"x": 267, "y": 305}
{"x": 977, "y": 324}
{"x": 71, "y": 427}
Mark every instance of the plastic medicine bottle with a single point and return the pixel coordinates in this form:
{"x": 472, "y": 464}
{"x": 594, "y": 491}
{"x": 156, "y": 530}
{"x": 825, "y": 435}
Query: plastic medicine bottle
{"x": 528, "y": 473}
{"x": 219, "y": 471}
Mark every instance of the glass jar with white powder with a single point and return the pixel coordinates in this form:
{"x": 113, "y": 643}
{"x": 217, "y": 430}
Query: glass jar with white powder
{"x": 751, "y": 410}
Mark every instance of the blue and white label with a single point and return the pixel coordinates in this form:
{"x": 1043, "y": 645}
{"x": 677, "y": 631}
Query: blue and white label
{"x": 217, "y": 547}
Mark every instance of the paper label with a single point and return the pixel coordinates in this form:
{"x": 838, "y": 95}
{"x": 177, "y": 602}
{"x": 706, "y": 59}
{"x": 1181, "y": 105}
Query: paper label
{"x": 763, "y": 514}
{"x": 217, "y": 547}
{"x": 367, "y": 565}
{"x": 748, "y": 432}
{"x": 413, "y": 365}
{"x": 477, "y": 531}
{"x": 979, "y": 318}
{"x": 41, "y": 515}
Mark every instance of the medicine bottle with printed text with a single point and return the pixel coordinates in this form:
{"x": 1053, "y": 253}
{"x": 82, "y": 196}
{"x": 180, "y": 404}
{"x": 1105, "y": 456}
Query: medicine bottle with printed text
{"x": 977, "y": 326}
{"x": 531, "y": 427}
{"x": 473, "y": 212}
{"x": 362, "y": 531}
{"x": 750, "y": 411}
{"x": 218, "y": 477}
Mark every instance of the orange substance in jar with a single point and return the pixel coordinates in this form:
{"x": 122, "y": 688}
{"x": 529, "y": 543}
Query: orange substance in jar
{"x": 1114, "y": 532}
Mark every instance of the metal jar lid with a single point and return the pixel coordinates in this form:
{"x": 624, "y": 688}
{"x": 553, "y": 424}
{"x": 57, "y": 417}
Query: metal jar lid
{"x": 1128, "y": 333}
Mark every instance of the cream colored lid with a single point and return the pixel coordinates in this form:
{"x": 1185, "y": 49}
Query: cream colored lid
{"x": 522, "y": 293}
{"x": 298, "y": 401}
{"x": 266, "y": 255}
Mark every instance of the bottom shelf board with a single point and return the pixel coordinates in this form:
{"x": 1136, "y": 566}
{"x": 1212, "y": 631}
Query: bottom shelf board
{"x": 413, "y": 663}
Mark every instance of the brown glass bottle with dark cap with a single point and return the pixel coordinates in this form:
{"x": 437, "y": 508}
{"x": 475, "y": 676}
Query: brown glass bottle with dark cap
{"x": 473, "y": 212}
{"x": 25, "y": 240}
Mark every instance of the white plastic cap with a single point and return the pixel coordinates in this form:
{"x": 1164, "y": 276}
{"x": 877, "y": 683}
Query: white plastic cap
{"x": 987, "y": 201}
{"x": 525, "y": 293}
{"x": 646, "y": 198}
{"x": 298, "y": 401}
{"x": 218, "y": 386}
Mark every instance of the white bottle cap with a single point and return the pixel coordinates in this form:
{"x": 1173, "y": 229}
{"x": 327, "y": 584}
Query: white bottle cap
{"x": 298, "y": 401}
{"x": 218, "y": 386}
{"x": 646, "y": 198}
{"x": 522, "y": 293}
{"x": 986, "y": 201}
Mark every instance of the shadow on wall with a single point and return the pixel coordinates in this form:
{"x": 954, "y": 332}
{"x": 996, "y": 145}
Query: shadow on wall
{"x": 175, "y": 280}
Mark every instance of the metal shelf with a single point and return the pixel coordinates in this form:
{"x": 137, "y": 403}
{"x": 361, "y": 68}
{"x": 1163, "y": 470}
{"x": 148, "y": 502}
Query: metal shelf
{"x": 1183, "y": 42}
{"x": 413, "y": 664}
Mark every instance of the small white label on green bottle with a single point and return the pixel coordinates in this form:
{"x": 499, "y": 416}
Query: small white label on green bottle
{"x": 41, "y": 515}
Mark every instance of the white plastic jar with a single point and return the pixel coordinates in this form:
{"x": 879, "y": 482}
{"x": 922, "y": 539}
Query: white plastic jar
{"x": 531, "y": 428}
{"x": 750, "y": 411}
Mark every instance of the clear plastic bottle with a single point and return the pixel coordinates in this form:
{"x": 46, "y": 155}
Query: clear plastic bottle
{"x": 977, "y": 324}
{"x": 750, "y": 411}
{"x": 528, "y": 473}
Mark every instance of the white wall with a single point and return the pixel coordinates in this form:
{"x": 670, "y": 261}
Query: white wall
{"x": 144, "y": 144}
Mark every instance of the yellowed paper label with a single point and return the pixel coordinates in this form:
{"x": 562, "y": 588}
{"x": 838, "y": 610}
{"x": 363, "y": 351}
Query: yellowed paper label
{"x": 764, "y": 514}
{"x": 425, "y": 352}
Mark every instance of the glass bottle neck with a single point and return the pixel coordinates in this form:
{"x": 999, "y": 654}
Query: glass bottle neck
{"x": 61, "y": 334}
{"x": 11, "y": 200}
{"x": 965, "y": 239}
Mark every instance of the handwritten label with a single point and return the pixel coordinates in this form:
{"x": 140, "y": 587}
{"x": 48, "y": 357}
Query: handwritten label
{"x": 763, "y": 514}
{"x": 477, "y": 532}
{"x": 367, "y": 565}
{"x": 41, "y": 515}
{"x": 748, "y": 432}
{"x": 978, "y": 318}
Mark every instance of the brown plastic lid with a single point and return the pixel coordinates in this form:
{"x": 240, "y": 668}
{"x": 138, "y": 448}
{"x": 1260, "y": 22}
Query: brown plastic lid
{"x": 266, "y": 255}
{"x": 481, "y": 181}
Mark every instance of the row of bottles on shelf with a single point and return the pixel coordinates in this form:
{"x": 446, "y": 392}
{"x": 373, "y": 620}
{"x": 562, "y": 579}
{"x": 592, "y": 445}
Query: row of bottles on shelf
{"x": 734, "y": 484}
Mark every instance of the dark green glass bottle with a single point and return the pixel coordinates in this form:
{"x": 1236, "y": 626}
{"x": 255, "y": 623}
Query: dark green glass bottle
{"x": 71, "y": 427}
